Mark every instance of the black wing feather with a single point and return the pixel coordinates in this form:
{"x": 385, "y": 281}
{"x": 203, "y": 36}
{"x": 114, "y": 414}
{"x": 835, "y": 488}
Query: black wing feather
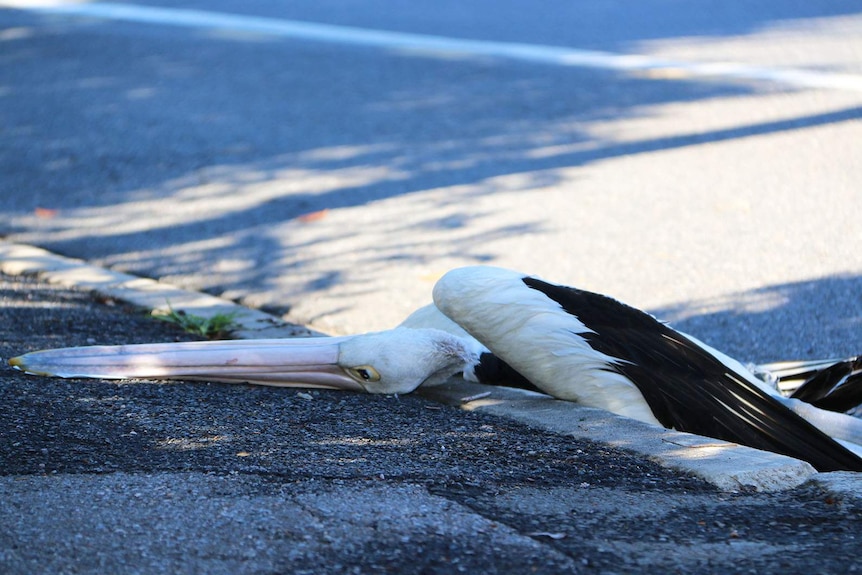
{"x": 689, "y": 389}
{"x": 836, "y": 388}
{"x": 491, "y": 370}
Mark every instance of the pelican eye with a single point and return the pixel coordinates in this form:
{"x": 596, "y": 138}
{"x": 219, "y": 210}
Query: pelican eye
{"x": 364, "y": 373}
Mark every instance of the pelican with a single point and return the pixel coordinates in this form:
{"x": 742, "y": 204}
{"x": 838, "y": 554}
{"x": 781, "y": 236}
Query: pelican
{"x": 503, "y": 327}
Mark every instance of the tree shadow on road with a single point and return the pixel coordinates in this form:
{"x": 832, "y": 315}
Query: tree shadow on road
{"x": 154, "y": 161}
{"x": 800, "y": 320}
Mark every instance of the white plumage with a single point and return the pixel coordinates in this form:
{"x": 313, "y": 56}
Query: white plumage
{"x": 528, "y": 331}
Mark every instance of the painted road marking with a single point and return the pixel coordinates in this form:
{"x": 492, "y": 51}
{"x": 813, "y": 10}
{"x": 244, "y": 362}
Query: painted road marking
{"x": 549, "y": 55}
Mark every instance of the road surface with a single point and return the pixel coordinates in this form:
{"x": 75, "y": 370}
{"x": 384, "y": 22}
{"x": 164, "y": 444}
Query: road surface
{"x": 333, "y": 174}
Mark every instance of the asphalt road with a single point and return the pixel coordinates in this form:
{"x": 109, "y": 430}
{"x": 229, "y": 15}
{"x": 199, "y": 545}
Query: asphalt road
{"x": 149, "y": 477}
{"x": 335, "y": 182}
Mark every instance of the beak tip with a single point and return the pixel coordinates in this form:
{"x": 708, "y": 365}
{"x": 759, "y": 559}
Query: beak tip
{"x": 20, "y": 363}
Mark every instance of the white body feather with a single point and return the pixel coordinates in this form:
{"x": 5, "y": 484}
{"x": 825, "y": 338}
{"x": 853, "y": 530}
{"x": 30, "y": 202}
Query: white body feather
{"x": 548, "y": 349}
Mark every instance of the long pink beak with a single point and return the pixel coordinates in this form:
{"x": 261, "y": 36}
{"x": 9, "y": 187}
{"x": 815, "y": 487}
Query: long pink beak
{"x": 300, "y": 362}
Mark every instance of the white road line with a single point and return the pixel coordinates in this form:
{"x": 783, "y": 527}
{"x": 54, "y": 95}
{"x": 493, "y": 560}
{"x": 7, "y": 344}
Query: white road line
{"x": 550, "y": 55}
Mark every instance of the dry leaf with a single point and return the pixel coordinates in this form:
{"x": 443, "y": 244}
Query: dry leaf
{"x": 312, "y": 216}
{"x": 45, "y": 213}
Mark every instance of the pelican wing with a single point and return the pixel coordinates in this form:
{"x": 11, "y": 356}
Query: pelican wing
{"x": 589, "y": 348}
{"x": 688, "y": 388}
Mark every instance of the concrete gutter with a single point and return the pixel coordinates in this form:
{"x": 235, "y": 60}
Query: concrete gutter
{"x": 728, "y": 466}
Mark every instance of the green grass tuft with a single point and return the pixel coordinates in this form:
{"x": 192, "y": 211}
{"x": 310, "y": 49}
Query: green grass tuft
{"x": 218, "y": 326}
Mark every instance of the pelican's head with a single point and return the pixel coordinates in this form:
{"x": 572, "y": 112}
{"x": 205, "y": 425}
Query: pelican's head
{"x": 402, "y": 359}
{"x": 394, "y": 361}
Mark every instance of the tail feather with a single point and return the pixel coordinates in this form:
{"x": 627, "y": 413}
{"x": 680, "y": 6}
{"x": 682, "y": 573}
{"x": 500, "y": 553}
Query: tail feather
{"x": 837, "y": 387}
{"x": 832, "y": 384}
